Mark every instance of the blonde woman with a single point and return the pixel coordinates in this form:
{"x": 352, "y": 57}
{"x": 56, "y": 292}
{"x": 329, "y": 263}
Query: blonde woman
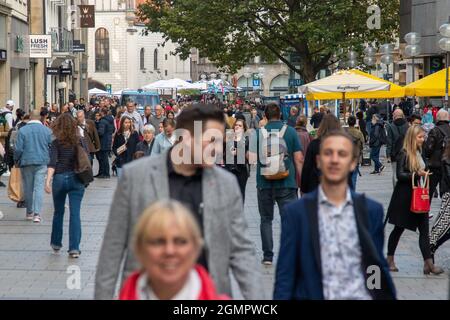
{"x": 409, "y": 161}
{"x": 167, "y": 243}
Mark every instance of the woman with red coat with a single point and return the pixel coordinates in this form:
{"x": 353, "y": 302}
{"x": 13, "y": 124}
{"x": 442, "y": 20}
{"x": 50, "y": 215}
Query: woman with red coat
{"x": 167, "y": 243}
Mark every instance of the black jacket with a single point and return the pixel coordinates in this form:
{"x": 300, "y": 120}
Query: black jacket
{"x": 444, "y": 187}
{"x": 127, "y": 155}
{"x": 310, "y": 173}
{"x": 395, "y": 130}
{"x": 316, "y": 119}
{"x": 145, "y": 147}
{"x": 375, "y": 135}
{"x": 105, "y": 132}
{"x": 399, "y": 212}
{"x": 433, "y": 147}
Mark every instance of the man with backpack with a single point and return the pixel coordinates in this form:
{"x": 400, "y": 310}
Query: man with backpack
{"x": 434, "y": 147}
{"x": 278, "y": 153}
{"x": 377, "y": 139}
{"x": 6, "y": 115}
{"x": 396, "y": 132}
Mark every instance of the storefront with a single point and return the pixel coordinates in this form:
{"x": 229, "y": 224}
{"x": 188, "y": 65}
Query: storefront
{"x": 19, "y": 63}
{"x": 4, "y": 68}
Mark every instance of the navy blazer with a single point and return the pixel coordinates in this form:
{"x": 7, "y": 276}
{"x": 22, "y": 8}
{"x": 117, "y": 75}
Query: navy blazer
{"x": 299, "y": 274}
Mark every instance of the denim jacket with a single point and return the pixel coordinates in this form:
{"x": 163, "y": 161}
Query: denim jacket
{"x": 33, "y": 145}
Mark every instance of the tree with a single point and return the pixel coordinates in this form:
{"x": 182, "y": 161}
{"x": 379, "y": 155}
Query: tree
{"x": 231, "y": 32}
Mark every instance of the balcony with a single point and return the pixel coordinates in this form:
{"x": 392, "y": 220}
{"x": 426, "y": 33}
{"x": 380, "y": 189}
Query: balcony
{"x": 62, "y": 41}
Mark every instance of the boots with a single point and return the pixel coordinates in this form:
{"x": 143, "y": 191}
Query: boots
{"x": 391, "y": 264}
{"x": 429, "y": 267}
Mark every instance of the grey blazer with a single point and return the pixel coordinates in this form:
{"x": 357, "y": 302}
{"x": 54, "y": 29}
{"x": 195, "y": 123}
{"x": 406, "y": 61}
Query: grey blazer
{"x": 145, "y": 181}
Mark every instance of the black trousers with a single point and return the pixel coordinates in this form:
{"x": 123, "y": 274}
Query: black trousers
{"x": 103, "y": 163}
{"x": 424, "y": 240}
{"x": 242, "y": 177}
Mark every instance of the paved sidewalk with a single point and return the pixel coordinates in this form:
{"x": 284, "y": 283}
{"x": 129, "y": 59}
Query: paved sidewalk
{"x": 29, "y": 269}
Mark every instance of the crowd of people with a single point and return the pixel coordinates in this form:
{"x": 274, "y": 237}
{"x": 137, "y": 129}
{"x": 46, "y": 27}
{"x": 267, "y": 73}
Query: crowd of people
{"x": 188, "y": 220}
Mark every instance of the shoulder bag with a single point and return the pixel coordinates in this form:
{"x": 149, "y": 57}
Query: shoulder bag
{"x": 83, "y": 168}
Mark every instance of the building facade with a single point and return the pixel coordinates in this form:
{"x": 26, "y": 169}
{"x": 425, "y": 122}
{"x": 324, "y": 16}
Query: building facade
{"x": 14, "y": 56}
{"x": 424, "y": 17}
{"x": 122, "y": 56}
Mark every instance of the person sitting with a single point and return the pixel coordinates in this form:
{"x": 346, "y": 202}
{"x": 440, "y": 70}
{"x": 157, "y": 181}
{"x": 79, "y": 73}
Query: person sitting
{"x": 167, "y": 244}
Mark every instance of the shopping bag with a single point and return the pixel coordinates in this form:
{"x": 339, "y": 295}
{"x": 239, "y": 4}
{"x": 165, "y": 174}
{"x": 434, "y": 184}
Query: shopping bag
{"x": 15, "y": 192}
{"x": 420, "y": 201}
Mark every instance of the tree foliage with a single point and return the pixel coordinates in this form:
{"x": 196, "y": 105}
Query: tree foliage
{"x": 231, "y": 32}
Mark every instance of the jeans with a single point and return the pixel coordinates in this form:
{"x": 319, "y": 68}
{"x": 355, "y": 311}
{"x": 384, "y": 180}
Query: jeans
{"x": 33, "y": 187}
{"x": 67, "y": 184}
{"x": 119, "y": 172}
{"x": 266, "y": 202}
{"x": 103, "y": 163}
{"x": 375, "y": 157}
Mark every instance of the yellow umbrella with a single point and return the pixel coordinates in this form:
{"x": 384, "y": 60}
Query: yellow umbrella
{"x": 395, "y": 91}
{"x": 429, "y": 86}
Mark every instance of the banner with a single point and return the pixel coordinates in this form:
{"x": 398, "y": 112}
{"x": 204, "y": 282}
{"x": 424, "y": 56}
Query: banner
{"x": 40, "y": 46}
{"x": 87, "y": 16}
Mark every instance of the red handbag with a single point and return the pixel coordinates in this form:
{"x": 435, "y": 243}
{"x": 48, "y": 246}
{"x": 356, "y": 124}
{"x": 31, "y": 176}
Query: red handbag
{"x": 420, "y": 201}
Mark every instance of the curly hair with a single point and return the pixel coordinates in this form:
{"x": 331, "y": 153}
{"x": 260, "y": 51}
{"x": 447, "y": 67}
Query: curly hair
{"x": 65, "y": 130}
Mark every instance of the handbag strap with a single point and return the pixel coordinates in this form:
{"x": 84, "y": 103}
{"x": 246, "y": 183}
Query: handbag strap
{"x": 412, "y": 180}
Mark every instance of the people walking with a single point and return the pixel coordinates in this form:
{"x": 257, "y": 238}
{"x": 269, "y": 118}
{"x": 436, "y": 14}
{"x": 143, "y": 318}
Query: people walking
{"x": 88, "y": 132}
{"x": 62, "y": 182}
{"x": 331, "y": 236}
{"x": 396, "y": 132}
{"x": 377, "y": 139}
{"x": 166, "y": 139}
{"x": 105, "y": 133}
{"x": 433, "y": 149}
{"x": 211, "y": 193}
{"x": 409, "y": 163}
{"x": 32, "y": 155}
{"x": 311, "y": 173}
{"x": 316, "y": 118}
{"x": 125, "y": 143}
{"x": 275, "y": 180}
{"x": 305, "y": 139}
{"x": 293, "y": 115}
{"x": 236, "y": 154}
{"x": 158, "y": 118}
{"x": 167, "y": 231}
{"x": 358, "y": 141}
{"x": 131, "y": 113}
{"x": 146, "y": 145}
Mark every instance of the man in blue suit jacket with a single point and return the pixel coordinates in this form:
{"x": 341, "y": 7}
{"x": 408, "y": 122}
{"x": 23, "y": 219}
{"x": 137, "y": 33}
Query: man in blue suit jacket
{"x": 332, "y": 239}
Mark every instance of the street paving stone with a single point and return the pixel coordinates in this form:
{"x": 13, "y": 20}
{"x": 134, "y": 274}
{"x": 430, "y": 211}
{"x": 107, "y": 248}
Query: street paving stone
{"x": 30, "y": 270}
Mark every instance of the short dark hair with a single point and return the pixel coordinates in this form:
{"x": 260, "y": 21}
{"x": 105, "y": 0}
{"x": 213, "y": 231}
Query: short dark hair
{"x": 414, "y": 116}
{"x": 272, "y": 111}
{"x": 168, "y": 122}
{"x": 199, "y": 112}
{"x": 351, "y": 121}
{"x": 341, "y": 133}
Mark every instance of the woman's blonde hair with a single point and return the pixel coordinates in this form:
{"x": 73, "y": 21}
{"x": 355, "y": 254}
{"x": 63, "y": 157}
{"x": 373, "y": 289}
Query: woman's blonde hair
{"x": 157, "y": 219}
{"x": 410, "y": 146}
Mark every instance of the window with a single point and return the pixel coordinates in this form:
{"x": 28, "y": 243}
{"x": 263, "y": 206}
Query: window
{"x": 142, "y": 59}
{"x": 155, "y": 59}
{"x": 101, "y": 50}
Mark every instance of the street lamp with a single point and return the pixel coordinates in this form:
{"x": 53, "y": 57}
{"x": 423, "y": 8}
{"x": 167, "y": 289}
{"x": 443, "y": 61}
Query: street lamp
{"x": 247, "y": 75}
{"x": 352, "y": 57}
{"x": 260, "y": 76}
{"x": 387, "y": 58}
{"x": 444, "y": 44}
{"x": 203, "y": 76}
{"x": 413, "y": 49}
{"x": 369, "y": 59}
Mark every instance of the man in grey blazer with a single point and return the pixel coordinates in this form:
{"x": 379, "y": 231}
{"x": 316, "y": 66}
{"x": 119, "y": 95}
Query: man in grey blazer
{"x": 212, "y": 194}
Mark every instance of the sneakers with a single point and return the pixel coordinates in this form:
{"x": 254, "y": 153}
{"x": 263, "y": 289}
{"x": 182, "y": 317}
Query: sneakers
{"x": 375, "y": 172}
{"x": 29, "y": 216}
{"x": 74, "y": 254}
{"x": 267, "y": 262}
{"x": 2, "y": 184}
{"x": 55, "y": 249}
{"x": 37, "y": 219}
{"x": 21, "y": 204}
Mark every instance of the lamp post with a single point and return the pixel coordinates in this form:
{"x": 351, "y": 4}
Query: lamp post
{"x": 247, "y": 75}
{"x": 260, "y": 76}
{"x": 413, "y": 49}
{"x": 369, "y": 59}
{"x": 444, "y": 44}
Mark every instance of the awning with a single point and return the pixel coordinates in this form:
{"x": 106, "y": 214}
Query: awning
{"x": 429, "y": 86}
